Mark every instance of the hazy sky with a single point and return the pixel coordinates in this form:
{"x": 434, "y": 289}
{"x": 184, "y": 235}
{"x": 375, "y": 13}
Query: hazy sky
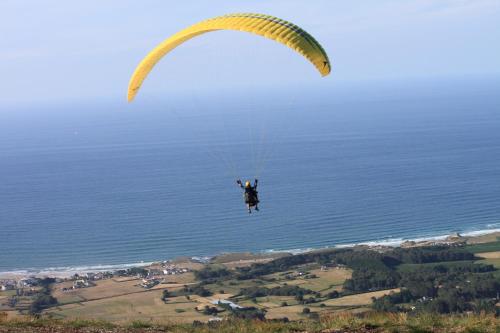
{"x": 57, "y": 51}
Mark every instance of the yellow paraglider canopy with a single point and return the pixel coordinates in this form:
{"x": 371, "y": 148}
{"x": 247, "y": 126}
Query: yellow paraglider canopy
{"x": 264, "y": 25}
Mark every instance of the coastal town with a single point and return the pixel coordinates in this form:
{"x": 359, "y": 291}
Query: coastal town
{"x": 17, "y": 291}
{"x": 150, "y": 275}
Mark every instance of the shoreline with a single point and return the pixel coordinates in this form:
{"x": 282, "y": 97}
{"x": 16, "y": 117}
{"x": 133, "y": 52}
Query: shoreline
{"x": 478, "y": 236}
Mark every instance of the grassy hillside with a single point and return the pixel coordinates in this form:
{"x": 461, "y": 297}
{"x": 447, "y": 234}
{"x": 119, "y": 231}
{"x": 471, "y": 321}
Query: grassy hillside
{"x": 311, "y": 290}
{"x": 349, "y": 323}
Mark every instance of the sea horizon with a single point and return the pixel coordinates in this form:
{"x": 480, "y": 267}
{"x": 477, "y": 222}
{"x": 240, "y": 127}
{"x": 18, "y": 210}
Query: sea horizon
{"x": 116, "y": 185}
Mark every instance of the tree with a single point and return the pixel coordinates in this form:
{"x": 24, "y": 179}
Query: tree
{"x": 42, "y": 302}
{"x": 165, "y": 295}
{"x": 137, "y": 271}
{"x": 210, "y": 310}
{"x": 198, "y": 290}
{"x": 249, "y": 313}
{"x": 483, "y": 305}
{"x": 212, "y": 273}
{"x": 333, "y": 294}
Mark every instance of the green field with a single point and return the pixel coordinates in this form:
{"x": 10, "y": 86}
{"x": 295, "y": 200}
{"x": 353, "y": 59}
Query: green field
{"x": 121, "y": 301}
{"x": 486, "y": 249}
{"x": 325, "y": 281}
{"x": 7, "y": 293}
{"x": 414, "y": 267}
{"x": 483, "y": 247}
{"x": 495, "y": 262}
{"x": 126, "y": 308}
{"x": 233, "y": 286}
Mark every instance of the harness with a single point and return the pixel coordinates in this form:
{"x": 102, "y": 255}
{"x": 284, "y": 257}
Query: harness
{"x": 251, "y": 197}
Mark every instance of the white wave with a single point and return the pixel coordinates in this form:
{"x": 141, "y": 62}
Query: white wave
{"x": 398, "y": 241}
{"x": 66, "y": 271}
{"x": 480, "y": 232}
{"x": 202, "y": 258}
{"x": 292, "y": 251}
{"x": 343, "y": 246}
{"x": 384, "y": 242}
{"x": 392, "y": 242}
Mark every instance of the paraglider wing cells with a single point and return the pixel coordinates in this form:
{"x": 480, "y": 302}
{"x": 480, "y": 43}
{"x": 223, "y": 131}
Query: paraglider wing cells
{"x": 264, "y": 25}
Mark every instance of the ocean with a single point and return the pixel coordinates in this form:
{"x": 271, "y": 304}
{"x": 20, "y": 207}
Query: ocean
{"x": 103, "y": 184}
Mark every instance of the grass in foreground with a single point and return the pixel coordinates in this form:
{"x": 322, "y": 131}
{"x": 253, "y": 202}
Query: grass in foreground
{"x": 343, "y": 322}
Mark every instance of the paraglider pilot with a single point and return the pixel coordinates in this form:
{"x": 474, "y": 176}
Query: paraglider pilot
{"x": 250, "y": 195}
